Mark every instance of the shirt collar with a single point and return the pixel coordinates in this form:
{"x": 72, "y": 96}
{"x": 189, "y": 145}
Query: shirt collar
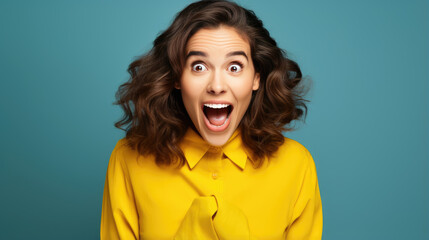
{"x": 194, "y": 148}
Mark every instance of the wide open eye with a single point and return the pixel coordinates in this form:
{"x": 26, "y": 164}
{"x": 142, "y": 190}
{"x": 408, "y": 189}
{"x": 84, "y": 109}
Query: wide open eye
{"x": 198, "y": 67}
{"x": 235, "y": 67}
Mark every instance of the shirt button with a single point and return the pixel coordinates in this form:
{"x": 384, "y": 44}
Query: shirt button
{"x": 215, "y": 175}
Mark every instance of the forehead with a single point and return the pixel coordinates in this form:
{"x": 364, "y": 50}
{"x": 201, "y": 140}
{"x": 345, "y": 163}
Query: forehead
{"x": 222, "y": 38}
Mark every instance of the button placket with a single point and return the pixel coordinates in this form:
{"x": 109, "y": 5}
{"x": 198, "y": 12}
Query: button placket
{"x": 216, "y": 153}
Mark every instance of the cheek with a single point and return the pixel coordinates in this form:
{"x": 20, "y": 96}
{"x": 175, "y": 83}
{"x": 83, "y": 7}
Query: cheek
{"x": 243, "y": 90}
{"x": 190, "y": 91}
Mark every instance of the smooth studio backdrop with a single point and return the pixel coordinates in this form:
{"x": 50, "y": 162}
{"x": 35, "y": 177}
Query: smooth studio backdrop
{"x": 367, "y": 125}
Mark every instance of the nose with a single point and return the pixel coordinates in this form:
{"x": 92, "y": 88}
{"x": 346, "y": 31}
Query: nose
{"x": 216, "y": 84}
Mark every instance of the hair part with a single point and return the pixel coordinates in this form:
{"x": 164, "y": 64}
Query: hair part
{"x": 155, "y": 119}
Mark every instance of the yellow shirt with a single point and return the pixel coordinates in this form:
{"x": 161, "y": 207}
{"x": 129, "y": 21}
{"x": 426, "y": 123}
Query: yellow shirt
{"x": 216, "y": 195}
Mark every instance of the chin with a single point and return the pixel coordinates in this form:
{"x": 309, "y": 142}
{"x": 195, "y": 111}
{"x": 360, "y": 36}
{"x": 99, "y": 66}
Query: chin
{"x": 218, "y": 139}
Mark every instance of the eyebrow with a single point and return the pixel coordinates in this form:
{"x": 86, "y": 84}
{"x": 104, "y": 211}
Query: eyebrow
{"x": 195, "y": 53}
{"x": 203, "y": 54}
{"x": 237, "y": 53}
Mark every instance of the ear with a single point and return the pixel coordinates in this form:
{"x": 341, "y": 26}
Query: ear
{"x": 177, "y": 85}
{"x": 256, "y": 80}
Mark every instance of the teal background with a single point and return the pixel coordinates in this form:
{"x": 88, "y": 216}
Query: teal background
{"x": 367, "y": 126}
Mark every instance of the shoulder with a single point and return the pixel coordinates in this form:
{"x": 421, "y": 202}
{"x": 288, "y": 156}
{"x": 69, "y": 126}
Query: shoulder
{"x": 292, "y": 147}
{"x": 123, "y": 151}
{"x": 293, "y": 154}
{"x": 128, "y": 156}
{"x": 122, "y": 143}
{"x": 124, "y": 146}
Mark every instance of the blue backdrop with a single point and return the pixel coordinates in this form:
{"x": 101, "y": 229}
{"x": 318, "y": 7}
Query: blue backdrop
{"x": 367, "y": 127}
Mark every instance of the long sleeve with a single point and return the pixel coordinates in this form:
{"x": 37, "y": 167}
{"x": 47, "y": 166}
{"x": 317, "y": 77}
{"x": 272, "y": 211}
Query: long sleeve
{"x": 307, "y": 220}
{"x": 119, "y": 218}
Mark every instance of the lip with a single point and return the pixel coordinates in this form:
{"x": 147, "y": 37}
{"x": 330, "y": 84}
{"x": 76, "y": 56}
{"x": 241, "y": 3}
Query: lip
{"x": 207, "y": 122}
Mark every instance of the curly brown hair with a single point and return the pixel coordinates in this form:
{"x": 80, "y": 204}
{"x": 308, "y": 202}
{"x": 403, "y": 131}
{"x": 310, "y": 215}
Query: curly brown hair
{"x": 155, "y": 119}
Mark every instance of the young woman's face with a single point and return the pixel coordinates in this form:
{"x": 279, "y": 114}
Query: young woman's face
{"x": 217, "y": 82}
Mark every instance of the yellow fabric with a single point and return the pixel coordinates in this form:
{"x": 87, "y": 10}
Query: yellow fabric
{"x": 217, "y": 195}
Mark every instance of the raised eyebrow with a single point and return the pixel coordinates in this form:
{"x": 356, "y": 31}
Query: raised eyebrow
{"x": 195, "y": 53}
{"x": 235, "y": 53}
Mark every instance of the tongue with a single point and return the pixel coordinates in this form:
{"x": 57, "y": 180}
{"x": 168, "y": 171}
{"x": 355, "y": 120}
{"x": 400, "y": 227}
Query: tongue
{"x": 216, "y": 116}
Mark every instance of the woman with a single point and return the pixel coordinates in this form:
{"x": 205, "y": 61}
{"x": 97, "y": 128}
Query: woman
{"x": 204, "y": 156}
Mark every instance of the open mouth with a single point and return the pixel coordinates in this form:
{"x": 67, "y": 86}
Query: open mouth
{"x": 217, "y": 114}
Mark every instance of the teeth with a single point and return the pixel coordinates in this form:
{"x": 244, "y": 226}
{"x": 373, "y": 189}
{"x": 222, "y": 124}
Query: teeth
{"x": 217, "y": 106}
